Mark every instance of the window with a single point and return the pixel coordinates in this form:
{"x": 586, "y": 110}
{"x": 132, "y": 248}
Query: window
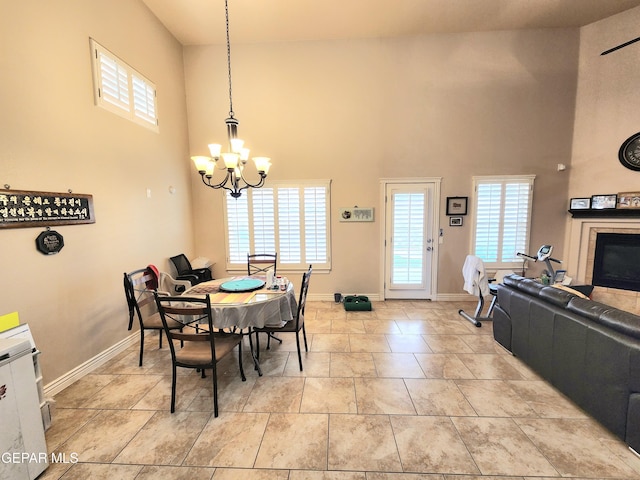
{"x": 502, "y": 219}
{"x": 122, "y": 90}
{"x": 291, "y": 218}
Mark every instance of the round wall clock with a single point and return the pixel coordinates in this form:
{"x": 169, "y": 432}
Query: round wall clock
{"x": 629, "y": 154}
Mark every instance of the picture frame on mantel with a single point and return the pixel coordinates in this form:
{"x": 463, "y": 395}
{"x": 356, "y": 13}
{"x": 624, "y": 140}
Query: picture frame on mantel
{"x": 629, "y": 200}
{"x": 580, "y": 203}
{"x": 604, "y": 202}
{"x": 457, "y": 206}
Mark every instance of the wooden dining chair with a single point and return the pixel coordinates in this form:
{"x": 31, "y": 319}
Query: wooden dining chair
{"x": 292, "y": 326}
{"x": 258, "y": 263}
{"x": 140, "y": 302}
{"x": 201, "y": 349}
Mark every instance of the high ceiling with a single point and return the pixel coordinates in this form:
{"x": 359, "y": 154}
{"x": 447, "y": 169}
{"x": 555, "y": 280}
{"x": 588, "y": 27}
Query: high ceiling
{"x": 201, "y": 22}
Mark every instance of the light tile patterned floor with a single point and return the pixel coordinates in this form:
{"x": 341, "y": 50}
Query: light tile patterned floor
{"x": 408, "y": 391}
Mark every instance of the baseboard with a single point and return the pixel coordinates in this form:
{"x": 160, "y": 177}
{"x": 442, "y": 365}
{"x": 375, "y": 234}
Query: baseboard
{"x": 328, "y": 297}
{"x": 456, "y": 297}
{"x": 375, "y": 297}
{"x": 62, "y": 382}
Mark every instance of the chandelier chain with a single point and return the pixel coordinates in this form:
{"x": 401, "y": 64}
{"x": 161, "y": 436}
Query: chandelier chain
{"x": 226, "y": 12}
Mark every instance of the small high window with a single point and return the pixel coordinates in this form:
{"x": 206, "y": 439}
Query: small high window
{"x": 119, "y": 88}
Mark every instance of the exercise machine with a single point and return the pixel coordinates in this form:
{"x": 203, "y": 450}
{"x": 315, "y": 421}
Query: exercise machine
{"x": 476, "y": 283}
{"x": 544, "y": 255}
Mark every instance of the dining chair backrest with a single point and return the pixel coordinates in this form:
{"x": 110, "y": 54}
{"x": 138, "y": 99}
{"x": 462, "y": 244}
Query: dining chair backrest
{"x": 139, "y": 296}
{"x": 304, "y": 288}
{"x": 258, "y": 263}
{"x": 191, "y": 312}
{"x": 295, "y": 325}
{"x": 139, "y": 288}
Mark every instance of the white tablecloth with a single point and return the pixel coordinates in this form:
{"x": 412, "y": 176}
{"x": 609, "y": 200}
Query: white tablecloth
{"x": 265, "y": 308}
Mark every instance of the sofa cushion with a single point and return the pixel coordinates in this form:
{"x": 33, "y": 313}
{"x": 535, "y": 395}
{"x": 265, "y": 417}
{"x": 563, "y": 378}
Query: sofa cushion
{"x": 512, "y": 280}
{"x": 556, "y": 296}
{"x": 588, "y": 308}
{"x": 530, "y": 286}
{"x": 621, "y": 321}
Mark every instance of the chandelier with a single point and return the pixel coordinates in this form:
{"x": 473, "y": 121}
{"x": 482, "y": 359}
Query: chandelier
{"x": 235, "y": 159}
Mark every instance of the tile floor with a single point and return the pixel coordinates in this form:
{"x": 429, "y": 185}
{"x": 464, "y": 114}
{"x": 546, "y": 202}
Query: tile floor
{"x": 408, "y": 391}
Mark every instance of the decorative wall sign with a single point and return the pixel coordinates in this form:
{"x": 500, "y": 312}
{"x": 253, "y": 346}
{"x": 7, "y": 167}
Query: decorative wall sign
{"x": 22, "y": 208}
{"x": 49, "y": 242}
{"x": 356, "y": 214}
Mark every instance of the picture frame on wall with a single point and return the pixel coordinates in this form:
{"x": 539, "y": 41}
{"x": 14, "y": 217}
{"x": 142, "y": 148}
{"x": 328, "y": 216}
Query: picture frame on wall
{"x": 457, "y": 205}
{"x": 604, "y": 202}
{"x": 580, "y": 203}
{"x": 455, "y": 221}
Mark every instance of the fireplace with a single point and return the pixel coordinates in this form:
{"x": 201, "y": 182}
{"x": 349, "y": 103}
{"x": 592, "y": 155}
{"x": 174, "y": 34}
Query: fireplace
{"x": 581, "y": 259}
{"x": 617, "y": 261}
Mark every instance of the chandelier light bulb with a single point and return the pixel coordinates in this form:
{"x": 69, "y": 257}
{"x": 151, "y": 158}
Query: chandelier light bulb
{"x": 215, "y": 149}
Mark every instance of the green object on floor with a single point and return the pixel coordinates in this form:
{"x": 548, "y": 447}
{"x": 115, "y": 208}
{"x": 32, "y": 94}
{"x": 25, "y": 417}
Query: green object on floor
{"x": 357, "y": 302}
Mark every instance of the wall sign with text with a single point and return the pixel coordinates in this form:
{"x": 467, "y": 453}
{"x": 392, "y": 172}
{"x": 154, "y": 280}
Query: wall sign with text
{"x": 22, "y": 208}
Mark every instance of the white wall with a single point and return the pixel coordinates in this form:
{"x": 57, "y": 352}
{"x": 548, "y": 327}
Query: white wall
{"x": 449, "y": 106}
{"x": 53, "y": 138}
{"x": 607, "y": 114}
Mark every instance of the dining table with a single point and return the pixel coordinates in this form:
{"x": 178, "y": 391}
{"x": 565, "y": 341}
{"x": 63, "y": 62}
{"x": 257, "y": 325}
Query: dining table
{"x": 234, "y": 307}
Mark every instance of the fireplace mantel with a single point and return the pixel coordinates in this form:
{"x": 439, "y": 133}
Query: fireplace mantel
{"x": 606, "y": 213}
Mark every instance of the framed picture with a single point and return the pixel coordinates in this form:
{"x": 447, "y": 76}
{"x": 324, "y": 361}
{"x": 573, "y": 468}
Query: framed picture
{"x": 580, "y": 203}
{"x": 455, "y": 221}
{"x": 601, "y": 202}
{"x": 457, "y": 206}
{"x": 629, "y": 200}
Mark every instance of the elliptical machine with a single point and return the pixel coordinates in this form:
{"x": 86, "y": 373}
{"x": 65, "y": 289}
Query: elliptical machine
{"x": 544, "y": 255}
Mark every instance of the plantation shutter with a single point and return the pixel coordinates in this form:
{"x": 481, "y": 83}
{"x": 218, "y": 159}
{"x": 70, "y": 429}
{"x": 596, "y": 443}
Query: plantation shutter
{"x": 502, "y": 218}
{"x": 408, "y": 238}
{"x": 114, "y": 82}
{"x": 292, "y": 220}
{"x": 120, "y": 89}
{"x": 315, "y": 224}
{"x": 237, "y": 229}
{"x": 264, "y": 232}
{"x": 144, "y": 99}
{"x": 289, "y": 225}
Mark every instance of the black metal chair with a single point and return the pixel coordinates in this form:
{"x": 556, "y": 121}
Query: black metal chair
{"x": 139, "y": 293}
{"x": 261, "y": 262}
{"x": 201, "y": 350}
{"x": 186, "y": 272}
{"x": 292, "y": 326}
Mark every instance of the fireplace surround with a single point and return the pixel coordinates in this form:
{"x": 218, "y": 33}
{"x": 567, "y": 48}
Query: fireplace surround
{"x": 582, "y": 247}
{"x": 616, "y": 262}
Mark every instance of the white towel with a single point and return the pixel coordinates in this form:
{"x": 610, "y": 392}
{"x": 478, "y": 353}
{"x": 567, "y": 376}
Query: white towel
{"x": 475, "y": 279}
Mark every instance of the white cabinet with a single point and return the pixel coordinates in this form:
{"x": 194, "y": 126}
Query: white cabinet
{"x": 23, "y": 332}
{"x": 22, "y": 442}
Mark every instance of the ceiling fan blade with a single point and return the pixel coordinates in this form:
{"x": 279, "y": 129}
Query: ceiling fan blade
{"x": 620, "y": 46}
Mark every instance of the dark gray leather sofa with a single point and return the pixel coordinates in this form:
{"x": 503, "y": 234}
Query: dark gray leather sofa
{"x": 587, "y": 350}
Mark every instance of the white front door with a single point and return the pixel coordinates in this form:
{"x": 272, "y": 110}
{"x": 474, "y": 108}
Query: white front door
{"x": 409, "y": 240}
